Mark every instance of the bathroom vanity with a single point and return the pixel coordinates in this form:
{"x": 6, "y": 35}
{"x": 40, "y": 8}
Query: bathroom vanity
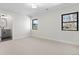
{"x": 5, "y": 28}
{"x": 6, "y": 34}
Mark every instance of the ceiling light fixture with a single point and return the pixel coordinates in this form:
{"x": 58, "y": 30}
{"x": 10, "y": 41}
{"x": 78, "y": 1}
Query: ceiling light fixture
{"x": 34, "y": 5}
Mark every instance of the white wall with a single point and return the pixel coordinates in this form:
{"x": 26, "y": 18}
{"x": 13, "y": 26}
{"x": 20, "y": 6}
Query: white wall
{"x": 50, "y": 25}
{"x": 21, "y": 26}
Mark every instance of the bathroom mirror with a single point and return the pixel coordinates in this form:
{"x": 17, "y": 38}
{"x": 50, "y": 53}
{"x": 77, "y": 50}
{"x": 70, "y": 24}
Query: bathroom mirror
{"x": 3, "y": 22}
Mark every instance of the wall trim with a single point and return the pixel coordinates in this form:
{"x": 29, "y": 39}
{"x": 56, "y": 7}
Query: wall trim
{"x": 20, "y": 37}
{"x": 52, "y": 39}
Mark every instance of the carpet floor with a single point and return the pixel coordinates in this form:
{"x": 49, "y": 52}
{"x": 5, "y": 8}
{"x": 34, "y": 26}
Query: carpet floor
{"x": 36, "y": 46}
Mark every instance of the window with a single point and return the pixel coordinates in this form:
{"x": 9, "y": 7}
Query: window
{"x": 34, "y": 24}
{"x": 70, "y": 21}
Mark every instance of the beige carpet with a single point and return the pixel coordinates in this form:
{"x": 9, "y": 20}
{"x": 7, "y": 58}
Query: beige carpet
{"x": 35, "y": 46}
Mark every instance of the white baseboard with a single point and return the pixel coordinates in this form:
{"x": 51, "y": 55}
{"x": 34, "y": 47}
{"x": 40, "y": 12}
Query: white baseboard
{"x": 20, "y": 37}
{"x": 62, "y": 41}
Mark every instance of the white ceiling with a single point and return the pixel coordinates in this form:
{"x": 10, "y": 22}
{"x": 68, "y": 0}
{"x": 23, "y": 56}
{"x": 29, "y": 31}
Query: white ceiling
{"x": 25, "y": 8}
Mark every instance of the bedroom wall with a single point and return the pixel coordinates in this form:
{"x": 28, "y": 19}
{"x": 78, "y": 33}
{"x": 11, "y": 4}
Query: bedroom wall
{"x": 50, "y": 25}
{"x": 21, "y": 26}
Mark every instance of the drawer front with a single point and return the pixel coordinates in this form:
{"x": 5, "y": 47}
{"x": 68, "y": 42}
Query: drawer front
{"x": 6, "y": 33}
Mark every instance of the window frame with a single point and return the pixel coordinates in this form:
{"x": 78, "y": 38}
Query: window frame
{"x": 35, "y": 24}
